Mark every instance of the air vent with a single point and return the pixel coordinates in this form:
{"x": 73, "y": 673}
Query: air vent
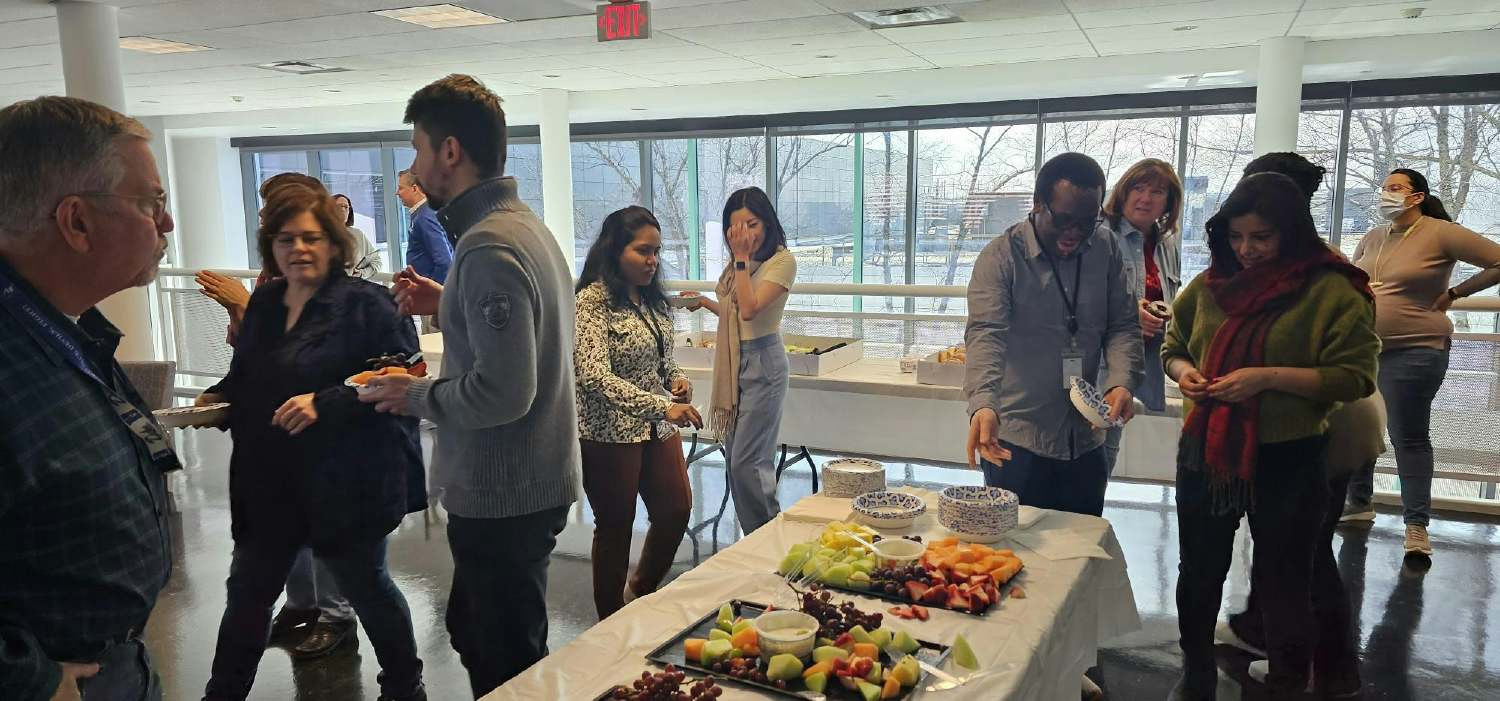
{"x": 905, "y": 17}
{"x": 300, "y": 67}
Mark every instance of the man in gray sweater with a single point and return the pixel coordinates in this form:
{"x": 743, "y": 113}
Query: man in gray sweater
{"x": 507, "y": 456}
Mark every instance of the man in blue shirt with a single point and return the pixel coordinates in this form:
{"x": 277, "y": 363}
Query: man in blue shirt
{"x": 428, "y": 249}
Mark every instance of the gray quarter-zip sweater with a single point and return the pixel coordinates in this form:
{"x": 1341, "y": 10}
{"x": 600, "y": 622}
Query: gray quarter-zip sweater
{"x": 507, "y": 429}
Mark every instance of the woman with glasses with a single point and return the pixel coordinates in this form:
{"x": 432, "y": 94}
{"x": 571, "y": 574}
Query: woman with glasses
{"x": 1410, "y": 261}
{"x": 631, "y": 399}
{"x": 365, "y": 262}
{"x": 312, "y": 465}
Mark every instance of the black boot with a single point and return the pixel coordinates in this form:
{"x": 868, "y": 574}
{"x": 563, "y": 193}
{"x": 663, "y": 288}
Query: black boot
{"x": 292, "y": 626}
{"x": 325, "y": 639}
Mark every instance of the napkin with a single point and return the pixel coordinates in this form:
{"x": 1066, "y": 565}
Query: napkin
{"x": 816, "y": 508}
{"x": 1059, "y": 544}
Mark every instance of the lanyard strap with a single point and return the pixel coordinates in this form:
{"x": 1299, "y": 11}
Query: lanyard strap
{"x": 661, "y": 345}
{"x": 140, "y": 423}
{"x": 1070, "y": 305}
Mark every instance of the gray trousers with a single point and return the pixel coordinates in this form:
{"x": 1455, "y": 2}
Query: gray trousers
{"x": 750, "y": 447}
{"x": 310, "y": 585}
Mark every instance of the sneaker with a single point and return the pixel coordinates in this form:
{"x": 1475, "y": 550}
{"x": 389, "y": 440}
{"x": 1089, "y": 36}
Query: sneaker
{"x": 1358, "y": 514}
{"x": 1417, "y": 541}
{"x": 1260, "y": 669}
{"x": 1224, "y": 634}
{"x": 325, "y": 638}
{"x": 292, "y": 626}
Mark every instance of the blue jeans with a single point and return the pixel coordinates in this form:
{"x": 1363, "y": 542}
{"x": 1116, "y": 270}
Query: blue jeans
{"x": 1409, "y": 378}
{"x": 256, "y": 577}
{"x": 125, "y": 674}
{"x": 310, "y": 585}
{"x": 1075, "y": 485}
{"x": 750, "y": 447}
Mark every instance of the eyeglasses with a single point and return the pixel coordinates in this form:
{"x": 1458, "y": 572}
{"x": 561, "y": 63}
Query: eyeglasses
{"x": 1397, "y": 188}
{"x": 153, "y": 206}
{"x": 1068, "y": 222}
{"x": 289, "y": 239}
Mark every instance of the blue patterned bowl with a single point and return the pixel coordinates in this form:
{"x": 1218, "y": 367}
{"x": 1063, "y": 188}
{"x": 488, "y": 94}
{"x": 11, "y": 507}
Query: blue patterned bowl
{"x": 889, "y": 509}
{"x": 978, "y": 514}
{"x": 850, "y": 477}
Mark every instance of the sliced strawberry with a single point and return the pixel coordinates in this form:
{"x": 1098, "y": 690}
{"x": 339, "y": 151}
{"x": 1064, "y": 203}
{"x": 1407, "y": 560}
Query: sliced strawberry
{"x": 980, "y": 599}
{"x": 920, "y": 612}
{"x": 958, "y": 599}
{"x": 845, "y": 641}
{"x": 916, "y": 590}
{"x": 936, "y": 596}
{"x": 993, "y": 591}
{"x": 901, "y": 612}
{"x": 978, "y": 580}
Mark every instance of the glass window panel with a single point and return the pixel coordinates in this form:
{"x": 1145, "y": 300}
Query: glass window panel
{"x": 972, "y": 184}
{"x": 1219, "y": 146}
{"x": 1116, "y": 144}
{"x": 724, "y": 165}
{"x": 815, "y": 201}
{"x": 524, "y": 163}
{"x": 356, "y": 173}
{"x": 269, "y": 163}
{"x": 672, "y": 202}
{"x": 606, "y": 177}
{"x": 1318, "y": 141}
{"x": 885, "y": 215}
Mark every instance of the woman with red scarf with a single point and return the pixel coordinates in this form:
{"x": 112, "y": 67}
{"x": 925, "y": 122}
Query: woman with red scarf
{"x": 1264, "y": 346}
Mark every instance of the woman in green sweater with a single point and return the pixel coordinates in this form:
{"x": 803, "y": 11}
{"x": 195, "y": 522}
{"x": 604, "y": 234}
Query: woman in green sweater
{"x": 1264, "y": 346}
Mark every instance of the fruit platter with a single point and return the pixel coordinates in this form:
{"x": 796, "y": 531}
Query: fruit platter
{"x": 670, "y": 684}
{"x": 963, "y": 577}
{"x": 826, "y": 648}
{"x": 385, "y": 365}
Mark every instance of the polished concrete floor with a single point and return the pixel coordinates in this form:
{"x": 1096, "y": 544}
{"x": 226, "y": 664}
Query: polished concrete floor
{"x": 1424, "y": 633}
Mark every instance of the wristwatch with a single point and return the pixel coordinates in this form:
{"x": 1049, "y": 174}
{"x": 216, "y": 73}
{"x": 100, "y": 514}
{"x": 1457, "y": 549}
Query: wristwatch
{"x": 1453, "y": 294}
{"x": 739, "y": 265}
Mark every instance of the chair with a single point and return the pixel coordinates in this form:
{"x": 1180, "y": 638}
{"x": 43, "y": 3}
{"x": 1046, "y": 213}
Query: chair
{"x": 154, "y": 379}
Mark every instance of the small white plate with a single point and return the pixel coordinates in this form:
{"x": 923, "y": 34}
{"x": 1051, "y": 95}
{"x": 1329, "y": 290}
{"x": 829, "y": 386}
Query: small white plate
{"x": 204, "y": 416}
{"x": 683, "y": 302}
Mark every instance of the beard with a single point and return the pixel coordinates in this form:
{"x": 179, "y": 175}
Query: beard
{"x": 149, "y": 274}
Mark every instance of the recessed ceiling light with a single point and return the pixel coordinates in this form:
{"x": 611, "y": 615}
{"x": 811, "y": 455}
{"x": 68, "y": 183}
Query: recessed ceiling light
{"x": 799, "y": 44}
{"x": 300, "y": 67}
{"x": 440, "y": 16}
{"x": 638, "y": 109}
{"x": 1185, "y": 28}
{"x": 905, "y": 17}
{"x": 148, "y": 45}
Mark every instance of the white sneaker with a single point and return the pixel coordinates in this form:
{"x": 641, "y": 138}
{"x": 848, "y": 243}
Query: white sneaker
{"x": 1417, "y": 540}
{"x": 1260, "y": 669}
{"x": 1358, "y": 514}
{"x": 1223, "y": 633}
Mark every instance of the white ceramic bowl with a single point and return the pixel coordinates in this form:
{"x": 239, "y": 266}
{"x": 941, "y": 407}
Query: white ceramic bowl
{"x": 898, "y": 552}
{"x": 891, "y": 510}
{"x": 785, "y": 632}
{"x": 979, "y": 514}
{"x": 850, "y": 477}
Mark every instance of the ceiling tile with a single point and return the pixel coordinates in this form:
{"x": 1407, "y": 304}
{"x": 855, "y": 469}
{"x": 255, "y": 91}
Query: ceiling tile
{"x": 191, "y": 15}
{"x": 808, "y": 70}
{"x": 752, "y": 31}
{"x": 720, "y": 14}
{"x": 1184, "y": 13}
{"x": 842, "y": 40}
{"x": 988, "y": 10}
{"x": 1036, "y": 53}
{"x": 1384, "y": 20}
{"x": 877, "y": 5}
{"x": 1207, "y": 33}
{"x": 1026, "y": 41}
{"x": 811, "y": 56}
{"x": 657, "y": 71}
{"x": 533, "y": 30}
{"x": 570, "y": 79}
{"x": 979, "y": 30}
{"x": 688, "y": 55}
{"x": 754, "y": 73}
{"x": 329, "y": 27}
{"x": 30, "y": 56}
{"x": 28, "y": 32}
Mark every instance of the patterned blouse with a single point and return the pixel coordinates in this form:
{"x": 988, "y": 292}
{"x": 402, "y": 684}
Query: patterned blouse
{"x": 619, "y": 366}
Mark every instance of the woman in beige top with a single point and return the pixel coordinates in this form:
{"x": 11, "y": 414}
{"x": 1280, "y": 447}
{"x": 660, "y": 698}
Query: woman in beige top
{"x": 1410, "y": 262}
{"x": 750, "y": 365}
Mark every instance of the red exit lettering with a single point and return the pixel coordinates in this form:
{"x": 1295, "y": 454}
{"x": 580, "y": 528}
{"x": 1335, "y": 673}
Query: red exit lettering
{"x": 624, "y": 20}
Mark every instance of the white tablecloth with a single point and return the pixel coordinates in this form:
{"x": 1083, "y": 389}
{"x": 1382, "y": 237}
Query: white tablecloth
{"x": 1038, "y": 646}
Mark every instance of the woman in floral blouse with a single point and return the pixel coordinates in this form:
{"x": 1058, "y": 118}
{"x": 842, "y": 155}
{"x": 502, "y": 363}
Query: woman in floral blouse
{"x": 631, "y": 399}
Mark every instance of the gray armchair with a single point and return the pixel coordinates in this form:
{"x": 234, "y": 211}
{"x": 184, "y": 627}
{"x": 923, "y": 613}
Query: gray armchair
{"x": 154, "y": 379}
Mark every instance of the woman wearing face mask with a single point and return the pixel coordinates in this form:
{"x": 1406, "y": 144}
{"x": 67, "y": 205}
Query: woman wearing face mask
{"x": 1264, "y": 346}
{"x": 631, "y": 399}
{"x": 750, "y": 365}
{"x": 1410, "y": 262}
{"x": 312, "y": 466}
{"x": 1143, "y": 211}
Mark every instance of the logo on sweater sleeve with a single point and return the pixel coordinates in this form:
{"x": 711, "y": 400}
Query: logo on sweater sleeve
{"x": 495, "y": 307}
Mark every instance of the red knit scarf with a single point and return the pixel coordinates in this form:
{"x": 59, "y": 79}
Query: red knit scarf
{"x": 1223, "y": 437}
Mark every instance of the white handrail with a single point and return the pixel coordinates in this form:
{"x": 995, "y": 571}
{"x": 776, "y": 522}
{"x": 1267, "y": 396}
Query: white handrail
{"x": 1470, "y": 304}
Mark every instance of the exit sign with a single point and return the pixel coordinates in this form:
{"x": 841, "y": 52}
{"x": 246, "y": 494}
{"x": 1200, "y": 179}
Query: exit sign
{"x": 624, "y": 20}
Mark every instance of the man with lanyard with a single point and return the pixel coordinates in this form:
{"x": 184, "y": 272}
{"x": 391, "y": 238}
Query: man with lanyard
{"x": 82, "y": 495}
{"x": 1047, "y": 300}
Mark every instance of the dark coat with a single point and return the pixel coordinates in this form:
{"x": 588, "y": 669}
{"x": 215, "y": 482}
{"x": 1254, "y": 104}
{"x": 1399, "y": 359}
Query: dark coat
{"x": 355, "y": 473}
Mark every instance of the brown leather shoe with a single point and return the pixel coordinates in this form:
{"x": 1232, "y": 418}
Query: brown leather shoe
{"x": 325, "y": 639}
{"x": 292, "y": 626}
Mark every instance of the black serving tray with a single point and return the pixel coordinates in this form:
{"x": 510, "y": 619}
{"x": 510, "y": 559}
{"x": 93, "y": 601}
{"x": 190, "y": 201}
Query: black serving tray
{"x": 897, "y": 598}
{"x": 671, "y": 652}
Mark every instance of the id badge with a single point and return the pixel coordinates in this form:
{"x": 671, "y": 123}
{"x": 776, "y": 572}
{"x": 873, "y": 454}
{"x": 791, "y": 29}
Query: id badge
{"x": 1072, "y": 366}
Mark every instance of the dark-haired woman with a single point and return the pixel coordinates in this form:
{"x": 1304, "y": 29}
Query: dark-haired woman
{"x": 750, "y": 365}
{"x": 631, "y": 399}
{"x": 312, "y": 465}
{"x": 1410, "y": 262}
{"x": 364, "y": 263}
{"x": 1264, "y": 346}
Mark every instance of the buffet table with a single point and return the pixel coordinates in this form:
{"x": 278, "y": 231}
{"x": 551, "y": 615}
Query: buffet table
{"x": 872, "y": 408}
{"x": 1035, "y": 648}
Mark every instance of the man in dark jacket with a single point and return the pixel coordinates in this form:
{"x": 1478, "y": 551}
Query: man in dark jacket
{"x": 83, "y": 501}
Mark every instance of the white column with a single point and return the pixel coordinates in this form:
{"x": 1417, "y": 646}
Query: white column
{"x": 1278, "y": 94}
{"x": 210, "y": 209}
{"x": 89, "y": 34}
{"x": 557, "y": 168}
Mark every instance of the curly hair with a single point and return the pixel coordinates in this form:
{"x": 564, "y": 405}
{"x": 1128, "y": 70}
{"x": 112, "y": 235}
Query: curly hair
{"x": 290, "y": 200}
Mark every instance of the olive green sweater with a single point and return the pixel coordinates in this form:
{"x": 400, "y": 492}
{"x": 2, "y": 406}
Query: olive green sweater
{"x": 1331, "y": 328}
